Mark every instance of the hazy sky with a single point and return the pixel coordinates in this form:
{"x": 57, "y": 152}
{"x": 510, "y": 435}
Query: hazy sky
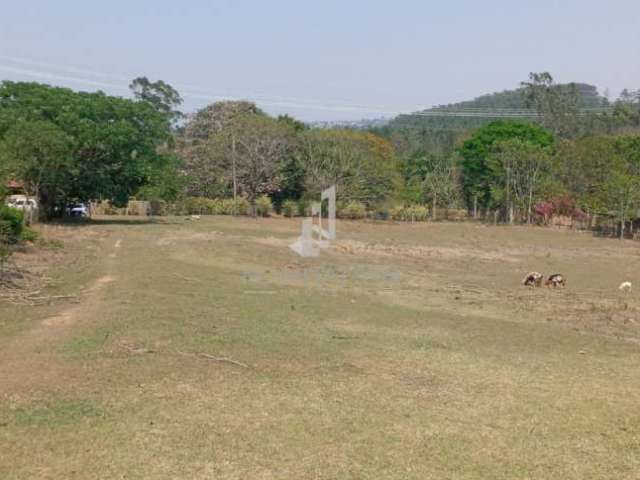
{"x": 324, "y": 59}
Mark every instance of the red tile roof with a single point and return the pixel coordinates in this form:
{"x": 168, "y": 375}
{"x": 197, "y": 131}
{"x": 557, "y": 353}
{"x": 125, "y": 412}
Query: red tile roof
{"x": 14, "y": 184}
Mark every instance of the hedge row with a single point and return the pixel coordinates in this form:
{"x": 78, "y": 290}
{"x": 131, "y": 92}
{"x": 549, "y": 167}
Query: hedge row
{"x": 353, "y": 210}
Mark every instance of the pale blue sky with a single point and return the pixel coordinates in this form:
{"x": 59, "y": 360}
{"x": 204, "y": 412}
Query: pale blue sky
{"x": 325, "y": 59}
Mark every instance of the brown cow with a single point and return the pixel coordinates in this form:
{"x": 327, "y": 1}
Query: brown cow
{"x": 533, "y": 279}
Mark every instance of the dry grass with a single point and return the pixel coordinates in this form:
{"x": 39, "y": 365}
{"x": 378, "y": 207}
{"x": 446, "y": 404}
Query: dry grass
{"x": 405, "y": 352}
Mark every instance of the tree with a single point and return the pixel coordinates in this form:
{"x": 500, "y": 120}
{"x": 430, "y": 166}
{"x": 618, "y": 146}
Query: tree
{"x": 477, "y": 177}
{"x": 520, "y": 168}
{"x": 622, "y": 191}
{"x": 440, "y": 185}
{"x": 361, "y": 165}
{"x": 166, "y": 180}
{"x": 622, "y": 187}
{"x": 558, "y": 105}
{"x": 261, "y": 144}
{"x": 162, "y": 96}
{"x": 206, "y": 145}
{"x": 39, "y": 154}
{"x": 115, "y": 143}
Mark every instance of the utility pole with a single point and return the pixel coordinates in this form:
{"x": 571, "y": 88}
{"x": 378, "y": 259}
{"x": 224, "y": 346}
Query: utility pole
{"x": 235, "y": 180}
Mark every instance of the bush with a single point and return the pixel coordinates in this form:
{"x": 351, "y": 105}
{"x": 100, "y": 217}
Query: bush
{"x": 5, "y": 250}
{"x": 353, "y": 210}
{"x": 11, "y": 224}
{"x": 412, "y": 213}
{"x": 457, "y": 214}
{"x": 290, "y": 208}
{"x": 304, "y": 208}
{"x": 416, "y": 213}
{"x": 225, "y": 206}
{"x": 263, "y": 206}
{"x": 209, "y": 206}
{"x": 30, "y": 235}
{"x": 158, "y": 207}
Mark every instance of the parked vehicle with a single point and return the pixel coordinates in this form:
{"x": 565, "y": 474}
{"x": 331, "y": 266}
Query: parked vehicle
{"x": 77, "y": 210}
{"x": 22, "y": 202}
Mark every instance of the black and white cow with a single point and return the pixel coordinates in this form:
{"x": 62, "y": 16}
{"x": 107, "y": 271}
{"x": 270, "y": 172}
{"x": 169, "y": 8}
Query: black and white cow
{"x": 556, "y": 280}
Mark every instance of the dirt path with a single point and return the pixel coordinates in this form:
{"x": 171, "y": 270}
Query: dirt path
{"x": 27, "y": 361}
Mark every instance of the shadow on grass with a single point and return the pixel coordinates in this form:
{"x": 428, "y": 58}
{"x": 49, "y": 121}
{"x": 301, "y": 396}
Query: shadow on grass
{"x": 103, "y": 220}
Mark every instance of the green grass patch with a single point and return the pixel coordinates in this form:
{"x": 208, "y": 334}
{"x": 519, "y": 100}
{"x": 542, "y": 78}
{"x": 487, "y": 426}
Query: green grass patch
{"x": 86, "y": 344}
{"x": 53, "y": 415}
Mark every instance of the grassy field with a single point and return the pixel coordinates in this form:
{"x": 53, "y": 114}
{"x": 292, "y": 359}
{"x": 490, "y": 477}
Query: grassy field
{"x": 207, "y": 349}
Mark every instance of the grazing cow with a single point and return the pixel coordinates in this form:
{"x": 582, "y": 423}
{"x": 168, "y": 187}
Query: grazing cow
{"x": 533, "y": 279}
{"x": 555, "y": 280}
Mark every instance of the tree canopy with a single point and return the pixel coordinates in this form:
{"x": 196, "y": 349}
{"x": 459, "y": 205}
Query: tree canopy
{"x": 70, "y": 145}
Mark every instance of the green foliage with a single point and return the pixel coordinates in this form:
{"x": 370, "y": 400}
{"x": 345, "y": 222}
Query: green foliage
{"x": 290, "y": 208}
{"x": 304, "y": 207}
{"x": 211, "y": 206}
{"x": 165, "y": 180}
{"x": 79, "y": 146}
{"x": 520, "y": 170}
{"x": 363, "y": 166}
{"x": 411, "y": 213}
{"x": 30, "y": 235}
{"x": 477, "y": 177}
{"x": 11, "y": 224}
{"x": 558, "y": 105}
{"x": 353, "y": 210}
{"x": 263, "y": 206}
{"x": 38, "y": 153}
{"x": 162, "y": 96}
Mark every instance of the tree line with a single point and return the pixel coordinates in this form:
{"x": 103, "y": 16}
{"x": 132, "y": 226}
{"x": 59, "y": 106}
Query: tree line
{"x": 75, "y": 146}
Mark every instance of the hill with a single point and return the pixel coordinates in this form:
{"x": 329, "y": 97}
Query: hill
{"x": 474, "y": 113}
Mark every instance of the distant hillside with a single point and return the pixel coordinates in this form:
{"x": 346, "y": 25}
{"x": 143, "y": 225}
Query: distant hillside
{"x": 481, "y": 110}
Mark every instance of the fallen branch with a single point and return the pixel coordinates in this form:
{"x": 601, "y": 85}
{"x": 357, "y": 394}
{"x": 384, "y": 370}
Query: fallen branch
{"x": 215, "y": 359}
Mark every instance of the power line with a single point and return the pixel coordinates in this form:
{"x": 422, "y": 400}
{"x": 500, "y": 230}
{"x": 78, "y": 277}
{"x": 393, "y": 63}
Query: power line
{"x": 276, "y": 101}
{"x": 188, "y": 91}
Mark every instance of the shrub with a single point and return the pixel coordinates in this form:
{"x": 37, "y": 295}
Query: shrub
{"x": 457, "y": 214}
{"x": 225, "y": 206}
{"x": 304, "y": 208}
{"x": 11, "y": 224}
{"x": 382, "y": 213}
{"x": 158, "y": 207}
{"x": 263, "y": 206}
{"x": 290, "y": 208}
{"x": 416, "y": 213}
{"x": 30, "y": 235}
{"x": 412, "y": 213}
{"x": 243, "y": 207}
{"x": 5, "y": 249}
{"x": 353, "y": 210}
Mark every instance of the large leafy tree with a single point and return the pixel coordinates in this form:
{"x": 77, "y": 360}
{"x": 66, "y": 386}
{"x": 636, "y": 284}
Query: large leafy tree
{"x": 114, "y": 144}
{"x": 440, "y": 182}
{"x": 363, "y": 166}
{"x": 206, "y": 145}
{"x": 558, "y": 105}
{"x": 477, "y": 176}
{"x": 162, "y": 96}
{"x": 261, "y": 146}
{"x": 520, "y": 170}
{"x": 39, "y": 154}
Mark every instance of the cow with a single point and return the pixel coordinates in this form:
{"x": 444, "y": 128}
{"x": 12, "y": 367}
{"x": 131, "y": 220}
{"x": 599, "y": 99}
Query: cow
{"x": 556, "y": 280}
{"x": 533, "y": 279}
